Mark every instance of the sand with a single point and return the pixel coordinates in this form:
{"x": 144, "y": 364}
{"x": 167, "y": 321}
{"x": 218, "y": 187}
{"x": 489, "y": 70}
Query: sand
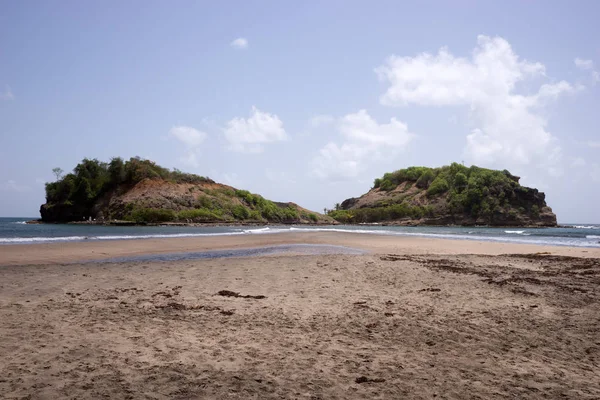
{"x": 412, "y": 318}
{"x": 52, "y": 253}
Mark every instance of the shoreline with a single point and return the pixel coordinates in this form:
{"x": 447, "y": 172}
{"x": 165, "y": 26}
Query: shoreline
{"x": 69, "y": 252}
{"x": 407, "y": 224}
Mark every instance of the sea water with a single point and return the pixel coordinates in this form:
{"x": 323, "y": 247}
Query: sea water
{"x": 16, "y": 231}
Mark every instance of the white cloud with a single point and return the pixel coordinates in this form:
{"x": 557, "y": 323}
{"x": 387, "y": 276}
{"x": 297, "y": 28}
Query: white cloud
{"x": 190, "y": 158}
{"x": 595, "y": 172}
{"x": 588, "y": 65}
{"x": 365, "y": 140}
{"x": 594, "y": 144}
{"x": 584, "y": 64}
{"x": 509, "y": 127}
{"x": 13, "y": 186}
{"x": 231, "y": 179}
{"x": 278, "y": 176}
{"x": 7, "y": 94}
{"x": 249, "y": 135}
{"x": 321, "y": 120}
{"x": 240, "y": 43}
{"x": 192, "y": 139}
{"x": 188, "y": 136}
{"x": 578, "y": 162}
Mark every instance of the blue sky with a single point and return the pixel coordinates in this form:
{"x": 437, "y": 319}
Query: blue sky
{"x": 303, "y": 101}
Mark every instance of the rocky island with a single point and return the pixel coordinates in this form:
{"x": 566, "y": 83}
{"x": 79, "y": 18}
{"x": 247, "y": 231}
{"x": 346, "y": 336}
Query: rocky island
{"x": 449, "y": 195}
{"x": 139, "y": 191}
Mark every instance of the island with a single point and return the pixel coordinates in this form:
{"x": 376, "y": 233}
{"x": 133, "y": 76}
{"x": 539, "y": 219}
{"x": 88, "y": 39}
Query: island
{"x": 449, "y": 195}
{"x": 139, "y": 191}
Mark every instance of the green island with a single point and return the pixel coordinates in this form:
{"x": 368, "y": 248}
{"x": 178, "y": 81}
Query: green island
{"x": 449, "y": 195}
{"x": 140, "y": 191}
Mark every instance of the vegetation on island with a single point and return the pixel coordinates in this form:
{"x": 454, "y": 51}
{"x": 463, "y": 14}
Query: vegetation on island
{"x": 449, "y": 194}
{"x": 141, "y": 191}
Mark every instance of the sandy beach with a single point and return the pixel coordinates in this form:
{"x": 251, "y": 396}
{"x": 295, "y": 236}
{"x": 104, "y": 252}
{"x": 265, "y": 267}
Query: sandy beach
{"x": 411, "y": 318}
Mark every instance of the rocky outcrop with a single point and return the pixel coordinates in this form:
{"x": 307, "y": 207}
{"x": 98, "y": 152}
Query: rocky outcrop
{"x": 450, "y": 195}
{"x": 140, "y": 191}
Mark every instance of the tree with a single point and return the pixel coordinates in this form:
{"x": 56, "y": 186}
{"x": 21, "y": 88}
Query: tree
{"x": 439, "y": 185}
{"x": 425, "y": 179}
{"x": 460, "y": 180}
{"x": 116, "y": 170}
{"x": 58, "y": 172}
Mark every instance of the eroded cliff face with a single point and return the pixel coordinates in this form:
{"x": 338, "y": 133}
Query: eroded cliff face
{"x": 451, "y": 195}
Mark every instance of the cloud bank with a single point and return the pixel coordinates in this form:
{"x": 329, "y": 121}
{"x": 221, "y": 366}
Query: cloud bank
{"x": 509, "y": 126}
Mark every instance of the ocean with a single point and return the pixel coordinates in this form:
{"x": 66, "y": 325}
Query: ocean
{"x": 16, "y": 231}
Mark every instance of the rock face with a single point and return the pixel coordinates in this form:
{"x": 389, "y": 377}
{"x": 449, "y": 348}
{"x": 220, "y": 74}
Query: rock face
{"x": 450, "y": 195}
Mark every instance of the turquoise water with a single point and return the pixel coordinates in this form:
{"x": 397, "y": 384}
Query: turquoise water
{"x": 15, "y": 231}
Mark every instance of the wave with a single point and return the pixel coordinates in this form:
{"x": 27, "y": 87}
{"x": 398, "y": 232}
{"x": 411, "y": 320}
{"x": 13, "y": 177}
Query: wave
{"x": 583, "y": 226}
{"x": 20, "y": 223}
{"x": 43, "y": 239}
{"x": 258, "y": 230}
{"x": 469, "y": 235}
{"x": 48, "y": 239}
{"x": 558, "y": 241}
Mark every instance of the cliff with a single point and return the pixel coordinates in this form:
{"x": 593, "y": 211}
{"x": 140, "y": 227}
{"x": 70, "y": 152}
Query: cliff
{"x": 142, "y": 192}
{"x": 450, "y": 195}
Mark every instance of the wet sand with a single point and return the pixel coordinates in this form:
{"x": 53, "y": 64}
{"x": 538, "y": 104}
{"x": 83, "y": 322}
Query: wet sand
{"x": 52, "y": 253}
{"x": 413, "y": 318}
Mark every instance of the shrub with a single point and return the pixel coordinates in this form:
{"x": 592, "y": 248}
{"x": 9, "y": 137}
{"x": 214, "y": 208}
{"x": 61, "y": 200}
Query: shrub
{"x": 204, "y": 202}
{"x": 425, "y": 179}
{"x": 241, "y": 212}
{"x": 387, "y": 185}
{"x": 438, "y": 186}
{"x": 269, "y": 211}
{"x": 289, "y": 214}
{"x": 152, "y": 215}
{"x": 460, "y": 180}
{"x": 255, "y": 215}
{"x": 198, "y": 215}
{"x": 343, "y": 216}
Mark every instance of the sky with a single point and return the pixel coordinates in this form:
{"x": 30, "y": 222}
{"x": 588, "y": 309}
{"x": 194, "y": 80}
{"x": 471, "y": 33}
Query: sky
{"x": 303, "y": 101}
